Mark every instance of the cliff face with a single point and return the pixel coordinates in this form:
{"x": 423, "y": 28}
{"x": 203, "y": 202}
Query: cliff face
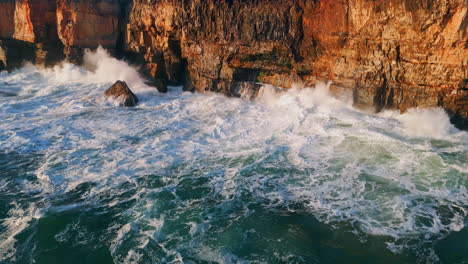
{"x": 87, "y": 24}
{"x": 28, "y": 32}
{"x": 398, "y": 54}
{"x": 47, "y": 31}
{"x": 385, "y": 54}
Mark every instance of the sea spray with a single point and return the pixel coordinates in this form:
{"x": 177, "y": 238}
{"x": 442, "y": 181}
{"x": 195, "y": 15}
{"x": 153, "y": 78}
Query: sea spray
{"x": 188, "y": 177}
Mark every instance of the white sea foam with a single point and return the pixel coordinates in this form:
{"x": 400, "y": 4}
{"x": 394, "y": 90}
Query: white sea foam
{"x": 420, "y": 122}
{"x": 383, "y": 173}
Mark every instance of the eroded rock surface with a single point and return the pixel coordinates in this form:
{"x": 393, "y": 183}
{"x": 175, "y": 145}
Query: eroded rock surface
{"x": 88, "y": 24}
{"x": 385, "y": 53}
{"x": 120, "y": 94}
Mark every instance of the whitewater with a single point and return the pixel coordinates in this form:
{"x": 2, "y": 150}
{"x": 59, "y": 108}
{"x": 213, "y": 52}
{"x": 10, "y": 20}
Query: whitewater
{"x": 296, "y": 176}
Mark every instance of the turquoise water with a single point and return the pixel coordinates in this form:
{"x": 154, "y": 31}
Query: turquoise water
{"x": 294, "y": 177}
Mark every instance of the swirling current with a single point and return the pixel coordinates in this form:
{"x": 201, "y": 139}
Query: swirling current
{"x": 291, "y": 177}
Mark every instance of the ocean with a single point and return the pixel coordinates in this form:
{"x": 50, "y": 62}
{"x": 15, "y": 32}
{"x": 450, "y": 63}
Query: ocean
{"x": 289, "y": 177}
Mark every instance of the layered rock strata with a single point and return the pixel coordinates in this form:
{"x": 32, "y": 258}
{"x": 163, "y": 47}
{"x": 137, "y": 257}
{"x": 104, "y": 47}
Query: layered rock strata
{"x": 384, "y": 53}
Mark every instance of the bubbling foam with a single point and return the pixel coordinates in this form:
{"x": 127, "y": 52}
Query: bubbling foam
{"x": 427, "y": 122}
{"x": 384, "y": 174}
{"x": 318, "y": 96}
{"x": 98, "y": 68}
{"x": 424, "y": 122}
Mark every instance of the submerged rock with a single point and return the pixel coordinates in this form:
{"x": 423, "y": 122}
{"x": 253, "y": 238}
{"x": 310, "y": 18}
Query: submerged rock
{"x": 121, "y": 95}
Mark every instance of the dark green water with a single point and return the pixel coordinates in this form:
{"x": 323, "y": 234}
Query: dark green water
{"x": 83, "y": 228}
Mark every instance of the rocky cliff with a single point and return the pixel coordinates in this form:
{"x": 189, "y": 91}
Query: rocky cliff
{"x": 384, "y": 53}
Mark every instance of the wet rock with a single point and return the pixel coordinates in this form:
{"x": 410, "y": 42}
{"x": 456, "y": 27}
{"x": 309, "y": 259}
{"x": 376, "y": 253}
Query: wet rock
{"x": 121, "y": 95}
{"x": 2, "y": 58}
{"x": 247, "y": 90}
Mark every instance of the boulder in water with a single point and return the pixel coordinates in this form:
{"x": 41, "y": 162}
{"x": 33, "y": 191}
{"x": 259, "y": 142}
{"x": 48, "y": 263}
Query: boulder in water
{"x": 121, "y": 95}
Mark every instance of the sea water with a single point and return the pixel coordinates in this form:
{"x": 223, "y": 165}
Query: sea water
{"x": 290, "y": 177}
